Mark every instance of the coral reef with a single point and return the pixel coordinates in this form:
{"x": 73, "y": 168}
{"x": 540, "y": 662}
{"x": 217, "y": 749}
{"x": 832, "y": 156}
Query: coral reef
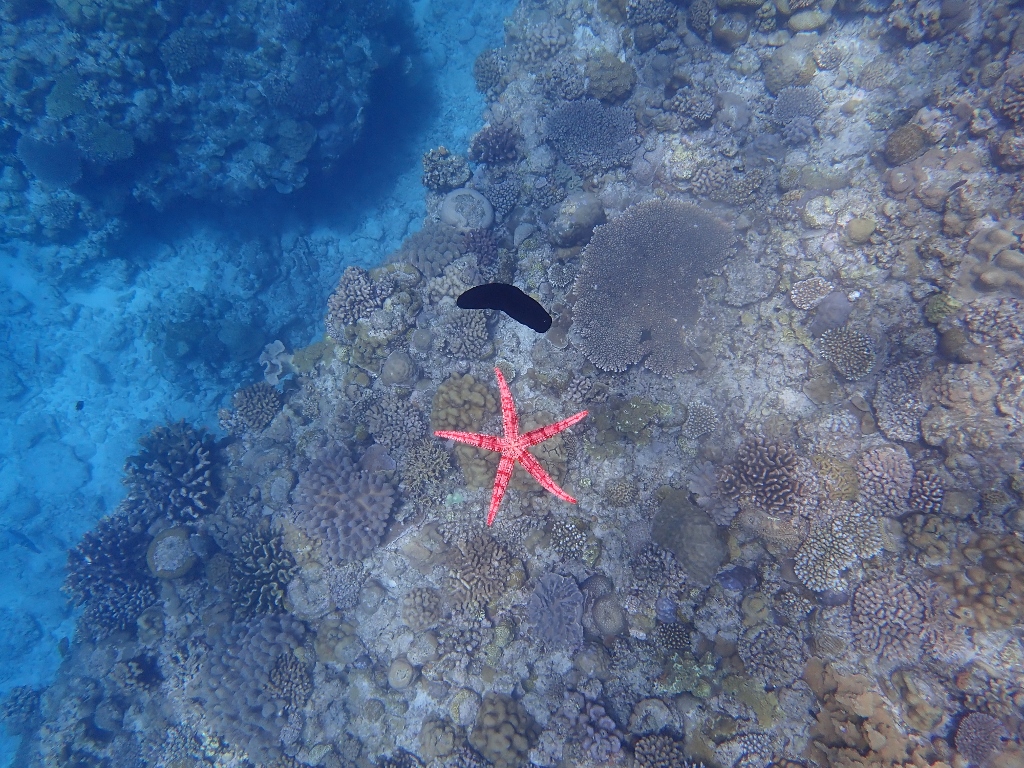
{"x": 764, "y": 474}
{"x": 443, "y": 170}
{"x": 108, "y": 574}
{"x": 256, "y": 405}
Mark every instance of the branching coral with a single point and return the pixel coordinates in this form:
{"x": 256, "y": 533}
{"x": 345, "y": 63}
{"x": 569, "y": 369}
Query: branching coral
{"x": 173, "y": 474}
{"x": 107, "y": 574}
{"x": 256, "y": 405}
{"x": 261, "y": 571}
{"x": 591, "y": 136}
{"x": 851, "y": 352}
{"x": 885, "y": 475}
{"x": 355, "y": 297}
{"x": 637, "y": 286}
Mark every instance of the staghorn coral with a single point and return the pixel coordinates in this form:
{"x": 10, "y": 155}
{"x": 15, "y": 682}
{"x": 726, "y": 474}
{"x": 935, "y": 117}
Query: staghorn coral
{"x": 555, "y": 610}
{"x": 898, "y": 403}
{"x": 354, "y": 298}
{"x": 251, "y": 680}
{"x": 773, "y": 655}
{"x": 261, "y": 570}
{"x": 256, "y": 405}
{"x": 444, "y": 170}
{"x": 637, "y": 284}
{"x": 107, "y": 574}
{"x": 885, "y": 475}
{"x": 764, "y": 475}
{"x": 345, "y": 509}
{"x": 504, "y": 731}
{"x": 851, "y": 352}
{"x": 590, "y": 136}
{"x": 173, "y": 474}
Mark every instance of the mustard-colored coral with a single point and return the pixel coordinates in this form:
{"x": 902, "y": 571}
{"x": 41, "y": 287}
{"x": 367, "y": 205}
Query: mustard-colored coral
{"x": 856, "y": 728}
{"x": 986, "y": 577}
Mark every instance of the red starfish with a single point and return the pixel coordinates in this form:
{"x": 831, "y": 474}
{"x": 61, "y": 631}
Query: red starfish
{"x": 512, "y": 448}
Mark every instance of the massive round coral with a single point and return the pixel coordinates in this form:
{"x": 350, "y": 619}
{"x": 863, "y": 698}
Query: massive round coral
{"x": 637, "y": 286}
{"x": 347, "y": 510}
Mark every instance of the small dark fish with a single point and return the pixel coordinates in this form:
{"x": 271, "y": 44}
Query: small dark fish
{"x": 510, "y": 300}
{"x": 80, "y": 405}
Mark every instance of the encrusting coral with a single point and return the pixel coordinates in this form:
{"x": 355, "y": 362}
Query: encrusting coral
{"x": 637, "y": 285}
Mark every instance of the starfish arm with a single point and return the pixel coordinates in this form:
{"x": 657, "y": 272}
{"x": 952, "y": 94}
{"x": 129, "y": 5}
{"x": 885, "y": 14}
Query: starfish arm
{"x": 509, "y": 417}
{"x": 505, "y": 467}
{"x": 543, "y": 433}
{"x": 529, "y": 461}
{"x": 490, "y": 442}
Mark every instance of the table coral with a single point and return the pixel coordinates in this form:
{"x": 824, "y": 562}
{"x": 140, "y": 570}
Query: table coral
{"x": 627, "y": 310}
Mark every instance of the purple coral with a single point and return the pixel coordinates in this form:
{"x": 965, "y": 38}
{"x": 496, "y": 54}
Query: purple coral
{"x": 345, "y": 509}
{"x": 556, "y": 611}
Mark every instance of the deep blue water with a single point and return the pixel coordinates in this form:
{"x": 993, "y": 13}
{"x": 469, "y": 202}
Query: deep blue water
{"x": 104, "y": 340}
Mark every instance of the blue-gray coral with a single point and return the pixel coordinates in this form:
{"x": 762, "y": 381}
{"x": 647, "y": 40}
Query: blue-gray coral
{"x": 173, "y": 474}
{"x": 637, "y": 286}
{"x": 556, "y": 612}
{"x": 108, "y": 576}
{"x": 591, "y": 136}
{"x": 346, "y": 510}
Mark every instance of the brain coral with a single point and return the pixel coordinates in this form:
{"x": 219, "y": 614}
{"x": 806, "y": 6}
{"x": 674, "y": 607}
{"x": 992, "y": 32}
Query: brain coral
{"x": 555, "y": 610}
{"x": 590, "y": 136}
{"x": 173, "y": 475}
{"x": 764, "y": 474}
{"x": 345, "y": 509}
{"x": 637, "y": 284}
{"x": 888, "y": 618}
